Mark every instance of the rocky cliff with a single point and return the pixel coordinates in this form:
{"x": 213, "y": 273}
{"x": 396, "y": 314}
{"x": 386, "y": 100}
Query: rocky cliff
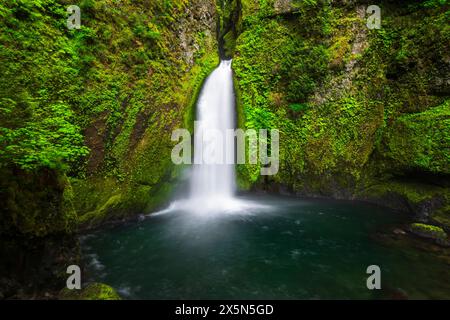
{"x": 363, "y": 112}
{"x": 86, "y": 121}
{"x": 86, "y": 114}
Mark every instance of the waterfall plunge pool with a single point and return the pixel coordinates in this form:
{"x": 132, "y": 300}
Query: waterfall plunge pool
{"x": 281, "y": 248}
{"x": 213, "y": 245}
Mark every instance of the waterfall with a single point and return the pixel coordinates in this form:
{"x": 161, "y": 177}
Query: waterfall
{"x": 212, "y": 178}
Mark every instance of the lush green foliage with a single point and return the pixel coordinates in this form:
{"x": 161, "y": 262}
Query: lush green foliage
{"x": 356, "y": 108}
{"x": 99, "y": 103}
{"x": 37, "y": 127}
{"x": 421, "y": 141}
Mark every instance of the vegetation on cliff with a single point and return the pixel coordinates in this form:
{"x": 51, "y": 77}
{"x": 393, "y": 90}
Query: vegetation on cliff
{"x": 98, "y": 103}
{"x": 86, "y": 114}
{"x": 362, "y": 113}
{"x": 93, "y": 291}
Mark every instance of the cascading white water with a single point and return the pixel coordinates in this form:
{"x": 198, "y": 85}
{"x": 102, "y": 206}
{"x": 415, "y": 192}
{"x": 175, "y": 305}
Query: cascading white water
{"x": 214, "y": 180}
{"x": 212, "y": 185}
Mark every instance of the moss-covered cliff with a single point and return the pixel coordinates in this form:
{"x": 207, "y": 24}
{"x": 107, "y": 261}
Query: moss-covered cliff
{"x": 150, "y": 89}
{"x": 362, "y": 113}
{"x": 86, "y": 114}
{"x": 86, "y": 117}
{"x": 98, "y": 103}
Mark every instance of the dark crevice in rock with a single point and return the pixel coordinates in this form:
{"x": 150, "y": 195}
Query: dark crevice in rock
{"x": 228, "y": 26}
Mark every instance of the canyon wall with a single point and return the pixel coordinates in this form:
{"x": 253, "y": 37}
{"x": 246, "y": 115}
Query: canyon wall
{"x": 363, "y": 113}
{"x": 86, "y": 117}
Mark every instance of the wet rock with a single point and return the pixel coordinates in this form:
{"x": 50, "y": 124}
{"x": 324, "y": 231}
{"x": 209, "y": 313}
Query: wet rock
{"x": 200, "y": 18}
{"x": 283, "y": 6}
{"x": 93, "y": 291}
{"x": 435, "y": 233}
{"x": 31, "y": 267}
{"x": 398, "y": 231}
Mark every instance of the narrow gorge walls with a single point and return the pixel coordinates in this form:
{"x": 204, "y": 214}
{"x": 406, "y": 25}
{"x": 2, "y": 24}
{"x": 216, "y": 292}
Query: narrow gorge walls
{"x": 115, "y": 89}
{"x": 363, "y": 113}
{"x": 228, "y": 26}
{"x": 129, "y": 167}
{"x": 86, "y": 115}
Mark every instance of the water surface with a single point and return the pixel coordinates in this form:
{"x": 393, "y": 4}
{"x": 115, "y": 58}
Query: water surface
{"x": 270, "y": 248}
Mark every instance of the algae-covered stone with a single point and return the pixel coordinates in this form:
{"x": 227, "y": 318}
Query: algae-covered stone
{"x": 429, "y": 231}
{"x": 94, "y": 291}
{"x": 442, "y": 217}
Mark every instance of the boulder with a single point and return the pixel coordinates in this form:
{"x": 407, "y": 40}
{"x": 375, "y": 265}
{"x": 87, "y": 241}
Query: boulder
{"x": 431, "y": 232}
{"x": 93, "y": 291}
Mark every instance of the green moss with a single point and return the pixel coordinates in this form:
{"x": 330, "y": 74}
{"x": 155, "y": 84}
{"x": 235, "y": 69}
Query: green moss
{"x": 125, "y": 80}
{"x": 147, "y": 186}
{"x": 429, "y": 230}
{"x": 442, "y": 216}
{"x": 94, "y": 291}
{"x": 229, "y": 43}
{"x": 201, "y": 71}
{"x": 298, "y": 107}
{"x": 35, "y": 204}
{"x": 421, "y": 140}
{"x": 377, "y": 119}
{"x": 100, "y": 214}
{"x": 413, "y": 193}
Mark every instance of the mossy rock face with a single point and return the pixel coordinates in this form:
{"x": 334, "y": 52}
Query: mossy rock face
{"x": 442, "y": 217}
{"x": 35, "y": 204}
{"x": 420, "y": 141}
{"x": 431, "y": 232}
{"x": 362, "y": 114}
{"x": 94, "y": 291}
{"x": 137, "y": 77}
{"x": 229, "y": 20}
{"x": 34, "y": 266}
{"x": 116, "y": 86}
